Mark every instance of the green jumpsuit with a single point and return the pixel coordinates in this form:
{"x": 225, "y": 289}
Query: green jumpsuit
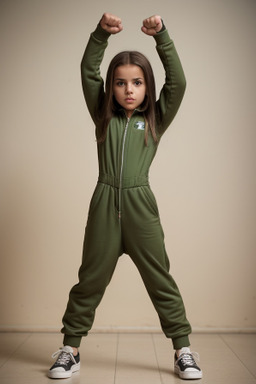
{"x": 123, "y": 215}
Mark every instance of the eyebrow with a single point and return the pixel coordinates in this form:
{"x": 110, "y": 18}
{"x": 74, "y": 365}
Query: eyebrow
{"x": 136, "y": 78}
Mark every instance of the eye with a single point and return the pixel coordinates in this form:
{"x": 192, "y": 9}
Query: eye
{"x": 120, "y": 83}
{"x": 138, "y": 82}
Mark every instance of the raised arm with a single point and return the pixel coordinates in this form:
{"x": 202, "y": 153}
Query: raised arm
{"x": 92, "y": 82}
{"x": 174, "y": 87}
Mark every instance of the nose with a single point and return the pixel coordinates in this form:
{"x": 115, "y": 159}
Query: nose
{"x": 129, "y": 88}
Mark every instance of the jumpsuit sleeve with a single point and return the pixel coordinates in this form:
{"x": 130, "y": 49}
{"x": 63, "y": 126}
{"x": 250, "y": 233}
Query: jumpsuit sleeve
{"x": 92, "y": 82}
{"x": 174, "y": 87}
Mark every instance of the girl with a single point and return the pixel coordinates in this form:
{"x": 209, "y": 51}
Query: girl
{"x": 123, "y": 215}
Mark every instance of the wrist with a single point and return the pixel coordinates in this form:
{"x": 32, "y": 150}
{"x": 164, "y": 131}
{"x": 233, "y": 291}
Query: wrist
{"x": 163, "y": 27}
{"x": 100, "y": 33}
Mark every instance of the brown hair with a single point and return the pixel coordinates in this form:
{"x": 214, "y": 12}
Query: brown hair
{"x": 111, "y": 106}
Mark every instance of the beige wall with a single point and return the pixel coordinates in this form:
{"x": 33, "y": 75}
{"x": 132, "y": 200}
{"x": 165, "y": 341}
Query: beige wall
{"x": 204, "y": 176}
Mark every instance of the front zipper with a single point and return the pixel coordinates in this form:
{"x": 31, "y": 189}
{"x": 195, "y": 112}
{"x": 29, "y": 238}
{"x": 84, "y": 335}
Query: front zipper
{"x": 121, "y": 169}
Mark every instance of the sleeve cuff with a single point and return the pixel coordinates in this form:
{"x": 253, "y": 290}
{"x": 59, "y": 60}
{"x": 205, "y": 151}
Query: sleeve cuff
{"x": 161, "y": 37}
{"x": 101, "y": 34}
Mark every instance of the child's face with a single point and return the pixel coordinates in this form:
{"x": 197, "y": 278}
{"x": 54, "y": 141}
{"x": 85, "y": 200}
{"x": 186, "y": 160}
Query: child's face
{"x": 129, "y": 87}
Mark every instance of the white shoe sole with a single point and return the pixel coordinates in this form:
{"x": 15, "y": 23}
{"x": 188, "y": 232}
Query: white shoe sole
{"x": 188, "y": 375}
{"x": 55, "y": 374}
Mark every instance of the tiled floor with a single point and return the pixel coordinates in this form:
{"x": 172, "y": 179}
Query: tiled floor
{"x": 128, "y": 359}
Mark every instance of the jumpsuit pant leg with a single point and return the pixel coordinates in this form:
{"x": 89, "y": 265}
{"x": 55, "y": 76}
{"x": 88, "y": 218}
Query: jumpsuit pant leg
{"x": 101, "y": 250}
{"x": 144, "y": 242}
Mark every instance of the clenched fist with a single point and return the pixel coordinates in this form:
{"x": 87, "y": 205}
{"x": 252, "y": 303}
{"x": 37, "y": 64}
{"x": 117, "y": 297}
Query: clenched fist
{"x": 111, "y": 23}
{"x": 152, "y": 25}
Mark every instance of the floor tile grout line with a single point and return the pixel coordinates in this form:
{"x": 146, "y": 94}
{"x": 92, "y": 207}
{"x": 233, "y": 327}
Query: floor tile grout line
{"x": 157, "y": 361}
{"x": 117, "y": 348}
{"x": 18, "y": 347}
{"x": 230, "y": 348}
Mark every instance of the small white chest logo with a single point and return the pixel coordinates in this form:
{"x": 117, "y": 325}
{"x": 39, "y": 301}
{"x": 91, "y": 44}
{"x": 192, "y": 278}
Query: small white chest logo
{"x": 140, "y": 125}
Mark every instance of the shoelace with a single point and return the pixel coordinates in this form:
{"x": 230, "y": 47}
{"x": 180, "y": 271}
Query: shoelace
{"x": 64, "y": 357}
{"x": 189, "y": 358}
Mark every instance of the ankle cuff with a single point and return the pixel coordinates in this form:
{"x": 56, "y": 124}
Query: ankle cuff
{"x": 180, "y": 342}
{"x": 72, "y": 341}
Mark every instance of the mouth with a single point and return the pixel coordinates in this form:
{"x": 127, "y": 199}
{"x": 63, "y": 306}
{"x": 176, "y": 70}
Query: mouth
{"x": 129, "y": 99}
